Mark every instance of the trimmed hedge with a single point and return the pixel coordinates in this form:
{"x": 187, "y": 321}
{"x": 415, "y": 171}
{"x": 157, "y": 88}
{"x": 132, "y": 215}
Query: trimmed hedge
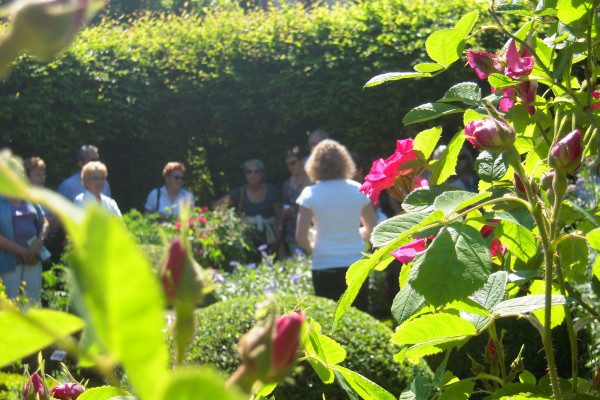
{"x": 365, "y": 339}
{"x": 238, "y": 84}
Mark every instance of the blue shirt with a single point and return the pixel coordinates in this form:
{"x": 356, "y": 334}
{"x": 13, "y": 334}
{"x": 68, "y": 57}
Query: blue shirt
{"x": 72, "y": 186}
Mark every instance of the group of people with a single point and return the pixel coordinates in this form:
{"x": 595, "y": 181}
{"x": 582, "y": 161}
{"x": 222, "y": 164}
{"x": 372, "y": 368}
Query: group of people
{"x": 318, "y": 211}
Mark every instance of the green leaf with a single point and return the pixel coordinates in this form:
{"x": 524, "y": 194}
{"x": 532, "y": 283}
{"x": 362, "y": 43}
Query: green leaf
{"x": 421, "y": 200}
{"x": 406, "y": 302}
{"x": 432, "y": 329}
{"x": 468, "y": 306}
{"x": 527, "y": 377}
{"x": 394, "y": 76}
{"x": 460, "y": 256}
{"x": 571, "y": 213}
{"x": 519, "y": 215}
{"x": 446, "y": 165}
{"x": 460, "y": 390}
{"x": 429, "y": 111}
{"x": 122, "y": 298}
{"x": 500, "y": 81}
{"x": 365, "y": 388}
{"x": 428, "y": 67}
{"x": 265, "y": 390}
{"x": 468, "y": 93}
{"x": 519, "y": 240}
{"x": 426, "y": 141}
{"x": 24, "y": 334}
{"x": 445, "y": 46}
{"x": 514, "y": 7}
{"x": 452, "y": 201}
{"x": 557, "y": 312}
{"x": 593, "y": 238}
{"x": 573, "y": 253}
{"x": 102, "y": 393}
{"x": 524, "y": 305}
{"x": 488, "y": 296}
{"x": 491, "y": 168}
{"x": 466, "y": 23}
{"x": 402, "y": 226}
{"x": 198, "y": 383}
{"x": 569, "y": 11}
{"x": 420, "y": 389}
{"x": 313, "y": 345}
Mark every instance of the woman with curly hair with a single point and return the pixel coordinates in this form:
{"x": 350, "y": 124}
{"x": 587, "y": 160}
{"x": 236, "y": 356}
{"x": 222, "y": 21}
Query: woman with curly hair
{"x": 343, "y": 220}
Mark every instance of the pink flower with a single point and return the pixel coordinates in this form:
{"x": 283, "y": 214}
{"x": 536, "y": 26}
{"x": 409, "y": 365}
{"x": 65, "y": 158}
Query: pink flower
{"x": 517, "y": 63}
{"x": 595, "y": 96}
{"x": 34, "y": 388}
{"x": 496, "y": 247}
{"x": 565, "y": 155}
{"x": 173, "y": 269}
{"x": 202, "y": 219}
{"x": 178, "y": 225}
{"x": 384, "y": 172}
{"x": 525, "y": 91}
{"x": 286, "y": 337}
{"x": 421, "y": 182}
{"x": 483, "y": 63}
{"x": 67, "y": 391}
{"x": 191, "y": 222}
{"x": 489, "y": 134}
{"x": 407, "y": 253}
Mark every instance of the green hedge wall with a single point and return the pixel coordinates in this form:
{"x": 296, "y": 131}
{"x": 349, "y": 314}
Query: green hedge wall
{"x": 238, "y": 84}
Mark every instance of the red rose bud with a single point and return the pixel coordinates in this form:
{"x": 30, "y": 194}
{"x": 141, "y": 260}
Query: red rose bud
{"x": 489, "y": 134}
{"x": 519, "y": 185}
{"x": 483, "y": 63}
{"x": 565, "y": 155}
{"x": 285, "y": 342}
{"x": 67, "y": 391}
{"x": 173, "y": 269}
{"x": 34, "y": 388}
{"x": 491, "y": 351}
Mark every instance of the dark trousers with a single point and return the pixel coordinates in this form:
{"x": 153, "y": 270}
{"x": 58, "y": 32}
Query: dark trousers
{"x": 331, "y": 283}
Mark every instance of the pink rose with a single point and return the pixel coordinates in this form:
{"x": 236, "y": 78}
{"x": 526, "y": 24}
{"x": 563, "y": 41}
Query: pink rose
{"x": 517, "y": 63}
{"x": 34, "y": 388}
{"x": 483, "y": 63}
{"x": 67, "y": 391}
{"x": 286, "y": 337}
{"x": 407, "y": 253}
{"x": 489, "y": 134}
{"x": 173, "y": 269}
{"x": 566, "y": 154}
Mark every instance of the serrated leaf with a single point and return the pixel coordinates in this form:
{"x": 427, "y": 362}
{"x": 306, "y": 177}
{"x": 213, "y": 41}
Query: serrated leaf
{"x": 468, "y": 306}
{"x": 421, "y": 200}
{"x": 364, "y": 387}
{"x": 445, "y": 46}
{"x": 439, "y": 328}
{"x": 514, "y": 7}
{"x": 517, "y": 239}
{"x": 429, "y": 111}
{"x": 488, "y": 296}
{"x": 466, "y": 92}
{"x": 491, "y": 168}
{"x": 557, "y": 312}
{"x": 460, "y": 390}
{"x": 569, "y": 11}
{"x": 500, "y": 81}
{"x": 102, "y": 393}
{"x": 394, "y": 76}
{"x": 451, "y": 201}
{"x": 420, "y": 389}
{"x": 519, "y": 215}
{"x": 460, "y": 256}
{"x": 23, "y": 335}
{"x": 466, "y": 23}
{"x": 525, "y": 304}
{"x": 573, "y": 253}
{"x": 571, "y": 213}
{"x": 428, "y": 67}
{"x": 406, "y": 302}
{"x": 426, "y": 141}
{"x": 402, "y": 226}
{"x": 446, "y": 165}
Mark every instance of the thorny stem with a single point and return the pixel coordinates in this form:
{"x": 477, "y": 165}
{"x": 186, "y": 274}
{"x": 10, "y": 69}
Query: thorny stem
{"x": 514, "y": 160}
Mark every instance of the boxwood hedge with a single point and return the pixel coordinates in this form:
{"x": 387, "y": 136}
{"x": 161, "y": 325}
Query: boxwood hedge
{"x": 237, "y": 83}
{"x": 366, "y": 340}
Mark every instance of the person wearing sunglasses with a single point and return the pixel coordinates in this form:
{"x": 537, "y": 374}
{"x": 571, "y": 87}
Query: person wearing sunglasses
{"x": 260, "y": 205}
{"x": 167, "y": 199}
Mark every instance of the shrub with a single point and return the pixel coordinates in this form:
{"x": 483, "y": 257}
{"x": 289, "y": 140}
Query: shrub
{"x": 10, "y": 386}
{"x": 288, "y": 277}
{"x": 366, "y": 340}
{"x": 242, "y": 84}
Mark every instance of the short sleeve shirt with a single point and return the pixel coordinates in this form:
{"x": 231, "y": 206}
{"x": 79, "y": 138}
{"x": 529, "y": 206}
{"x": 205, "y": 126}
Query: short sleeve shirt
{"x": 336, "y": 206}
{"x": 165, "y": 206}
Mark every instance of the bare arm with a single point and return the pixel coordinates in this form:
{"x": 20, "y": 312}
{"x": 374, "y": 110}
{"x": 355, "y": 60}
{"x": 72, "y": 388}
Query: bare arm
{"x": 302, "y": 226}
{"x": 368, "y": 220}
{"x": 36, "y": 246}
{"x": 222, "y": 202}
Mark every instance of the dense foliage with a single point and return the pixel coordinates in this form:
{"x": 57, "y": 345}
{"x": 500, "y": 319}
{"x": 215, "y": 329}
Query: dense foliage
{"x": 238, "y": 84}
{"x": 365, "y": 339}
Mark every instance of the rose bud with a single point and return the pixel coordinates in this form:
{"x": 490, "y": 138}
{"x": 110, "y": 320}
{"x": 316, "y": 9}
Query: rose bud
{"x": 34, "y": 388}
{"x": 483, "y": 63}
{"x": 67, "y": 391}
{"x": 489, "y": 134}
{"x": 285, "y": 342}
{"x": 565, "y": 155}
{"x": 173, "y": 268}
{"x": 491, "y": 351}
